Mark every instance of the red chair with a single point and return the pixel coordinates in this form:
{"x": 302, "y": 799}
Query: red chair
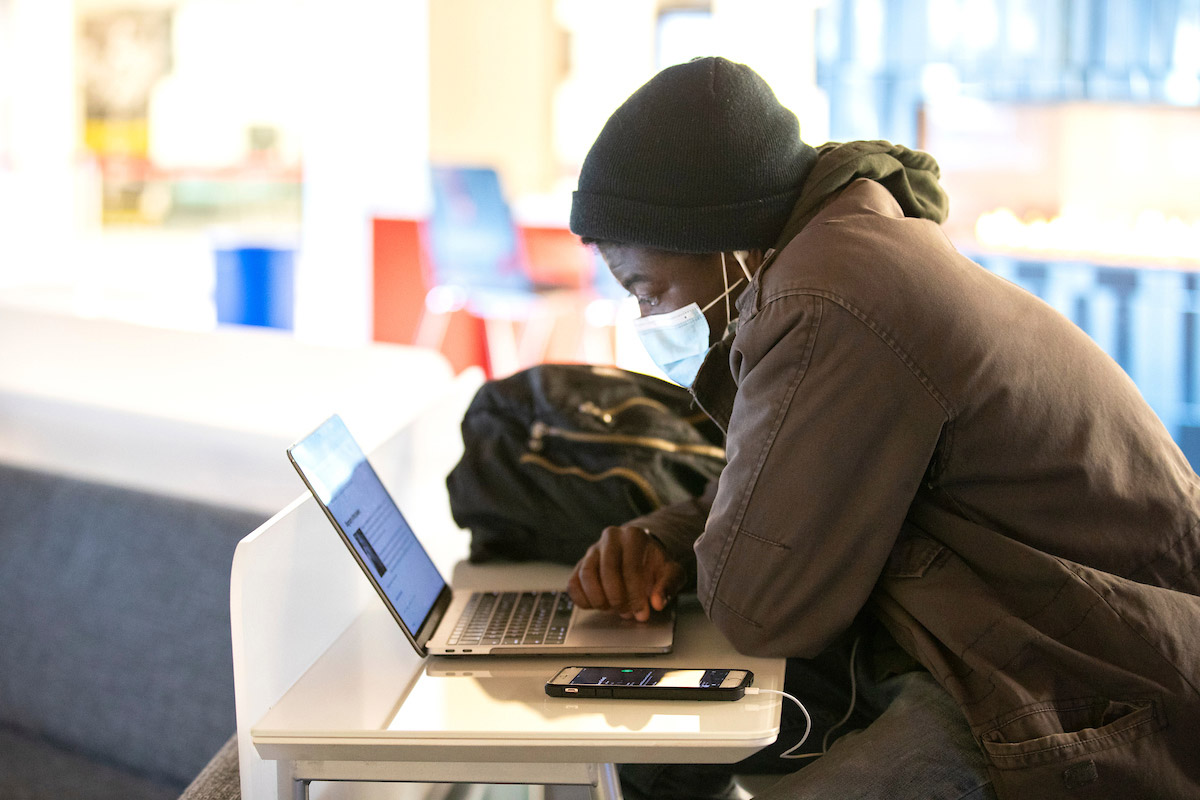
{"x": 557, "y": 257}
{"x": 401, "y": 281}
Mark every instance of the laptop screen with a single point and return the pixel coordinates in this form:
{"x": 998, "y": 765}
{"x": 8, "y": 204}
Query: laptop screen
{"x": 345, "y": 483}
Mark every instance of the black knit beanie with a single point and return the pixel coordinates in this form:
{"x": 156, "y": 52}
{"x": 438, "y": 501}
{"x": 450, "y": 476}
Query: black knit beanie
{"x": 701, "y": 159}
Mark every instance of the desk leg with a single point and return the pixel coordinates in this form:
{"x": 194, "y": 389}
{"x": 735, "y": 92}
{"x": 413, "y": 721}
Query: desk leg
{"x": 300, "y": 789}
{"x": 607, "y": 785}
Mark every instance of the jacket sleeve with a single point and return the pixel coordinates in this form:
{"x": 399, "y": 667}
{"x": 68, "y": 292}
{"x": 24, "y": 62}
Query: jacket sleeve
{"x": 831, "y": 434}
{"x": 678, "y": 525}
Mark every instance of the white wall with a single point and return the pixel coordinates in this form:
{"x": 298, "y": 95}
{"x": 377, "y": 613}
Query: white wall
{"x": 366, "y": 84}
{"x": 37, "y": 189}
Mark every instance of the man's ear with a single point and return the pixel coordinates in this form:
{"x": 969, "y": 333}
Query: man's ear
{"x": 756, "y": 258}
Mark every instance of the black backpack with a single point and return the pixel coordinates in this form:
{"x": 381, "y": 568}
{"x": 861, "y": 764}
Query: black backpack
{"x": 556, "y": 453}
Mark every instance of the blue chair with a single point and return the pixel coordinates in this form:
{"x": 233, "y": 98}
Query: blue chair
{"x": 473, "y": 241}
{"x": 478, "y": 264}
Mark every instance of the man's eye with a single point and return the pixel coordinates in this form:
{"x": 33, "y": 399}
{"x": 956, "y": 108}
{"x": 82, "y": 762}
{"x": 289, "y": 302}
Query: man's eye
{"x": 649, "y": 301}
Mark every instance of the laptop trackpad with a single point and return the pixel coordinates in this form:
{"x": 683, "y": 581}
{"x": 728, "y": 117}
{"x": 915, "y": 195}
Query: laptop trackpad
{"x": 605, "y": 623}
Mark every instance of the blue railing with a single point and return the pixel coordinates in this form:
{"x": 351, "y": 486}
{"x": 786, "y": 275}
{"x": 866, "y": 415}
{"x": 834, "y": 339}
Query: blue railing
{"x": 873, "y": 56}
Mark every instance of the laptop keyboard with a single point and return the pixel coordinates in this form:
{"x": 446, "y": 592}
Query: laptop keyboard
{"x": 508, "y": 618}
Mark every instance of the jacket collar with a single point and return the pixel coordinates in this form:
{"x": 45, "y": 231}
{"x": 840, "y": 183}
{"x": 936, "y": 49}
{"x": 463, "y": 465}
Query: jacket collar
{"x": 714, "y": 387}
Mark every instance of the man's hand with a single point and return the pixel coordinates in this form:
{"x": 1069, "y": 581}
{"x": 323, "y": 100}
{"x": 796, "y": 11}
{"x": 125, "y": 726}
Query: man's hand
{"x": 627, "y": 571}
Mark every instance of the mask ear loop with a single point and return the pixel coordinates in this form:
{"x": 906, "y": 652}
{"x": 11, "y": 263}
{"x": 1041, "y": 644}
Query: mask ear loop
{"x": 725, "y": 280}
{"x": 728, "y": 288}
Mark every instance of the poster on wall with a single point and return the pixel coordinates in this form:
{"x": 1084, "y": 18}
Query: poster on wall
{"x": 121, "y": 56}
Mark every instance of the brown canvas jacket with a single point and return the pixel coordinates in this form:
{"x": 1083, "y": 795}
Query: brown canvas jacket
{"x": 911, "y": 434}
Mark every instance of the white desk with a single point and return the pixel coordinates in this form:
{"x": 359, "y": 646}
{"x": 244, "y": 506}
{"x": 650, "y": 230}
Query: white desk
{"x": 294, "y": 589}
{"x": 363, "y": 712}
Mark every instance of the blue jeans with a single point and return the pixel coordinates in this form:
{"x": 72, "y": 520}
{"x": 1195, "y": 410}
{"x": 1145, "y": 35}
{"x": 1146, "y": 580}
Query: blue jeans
{"x": 906, "y": 740}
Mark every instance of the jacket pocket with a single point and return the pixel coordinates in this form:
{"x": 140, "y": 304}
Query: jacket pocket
{"x": 1053, "y": 733}
{"x": 913, "y": 554}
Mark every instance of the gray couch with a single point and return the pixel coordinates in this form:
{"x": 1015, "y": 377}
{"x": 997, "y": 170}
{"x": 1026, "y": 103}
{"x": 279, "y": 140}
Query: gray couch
{"x": 116, "y": 675}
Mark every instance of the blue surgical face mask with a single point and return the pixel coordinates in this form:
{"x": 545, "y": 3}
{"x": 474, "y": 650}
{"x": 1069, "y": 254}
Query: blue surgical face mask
{"x": 677, "y": 341}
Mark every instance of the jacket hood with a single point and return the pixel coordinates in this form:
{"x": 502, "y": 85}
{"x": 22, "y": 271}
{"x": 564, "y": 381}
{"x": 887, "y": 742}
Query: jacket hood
{"x": 910, "y": 175}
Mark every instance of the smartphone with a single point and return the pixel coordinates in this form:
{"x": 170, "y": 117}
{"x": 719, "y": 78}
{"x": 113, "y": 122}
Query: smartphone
{"x": 650, "y": 683}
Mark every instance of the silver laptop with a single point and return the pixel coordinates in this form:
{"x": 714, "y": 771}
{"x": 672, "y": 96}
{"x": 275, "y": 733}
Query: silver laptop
{"x": 436, "y": 619}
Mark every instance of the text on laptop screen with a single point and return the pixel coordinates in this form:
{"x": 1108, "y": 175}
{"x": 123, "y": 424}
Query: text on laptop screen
{"x": 345, "y": 483}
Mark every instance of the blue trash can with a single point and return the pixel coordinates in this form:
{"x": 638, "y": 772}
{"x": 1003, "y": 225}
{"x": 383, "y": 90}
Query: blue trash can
{"x": 255, "y": 286}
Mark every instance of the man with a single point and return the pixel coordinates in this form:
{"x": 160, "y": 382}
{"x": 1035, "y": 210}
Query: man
{"x": 913, "y": 443}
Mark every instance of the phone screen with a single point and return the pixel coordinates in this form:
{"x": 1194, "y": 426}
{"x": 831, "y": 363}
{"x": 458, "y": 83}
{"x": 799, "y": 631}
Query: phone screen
{"x": 650, "y": 676}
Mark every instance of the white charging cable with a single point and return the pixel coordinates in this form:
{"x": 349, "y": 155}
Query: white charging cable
{"x": 808, "y": 719}
{"x": 807, "y": 722}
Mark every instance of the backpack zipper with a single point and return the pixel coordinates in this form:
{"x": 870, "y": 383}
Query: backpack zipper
{"x": 607, "y": 415}
{"x": 540, "y": 430}
{"x": 613, "y": 472}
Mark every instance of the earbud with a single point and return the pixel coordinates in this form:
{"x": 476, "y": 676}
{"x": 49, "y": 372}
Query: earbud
{"x": 741, "y": 256}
